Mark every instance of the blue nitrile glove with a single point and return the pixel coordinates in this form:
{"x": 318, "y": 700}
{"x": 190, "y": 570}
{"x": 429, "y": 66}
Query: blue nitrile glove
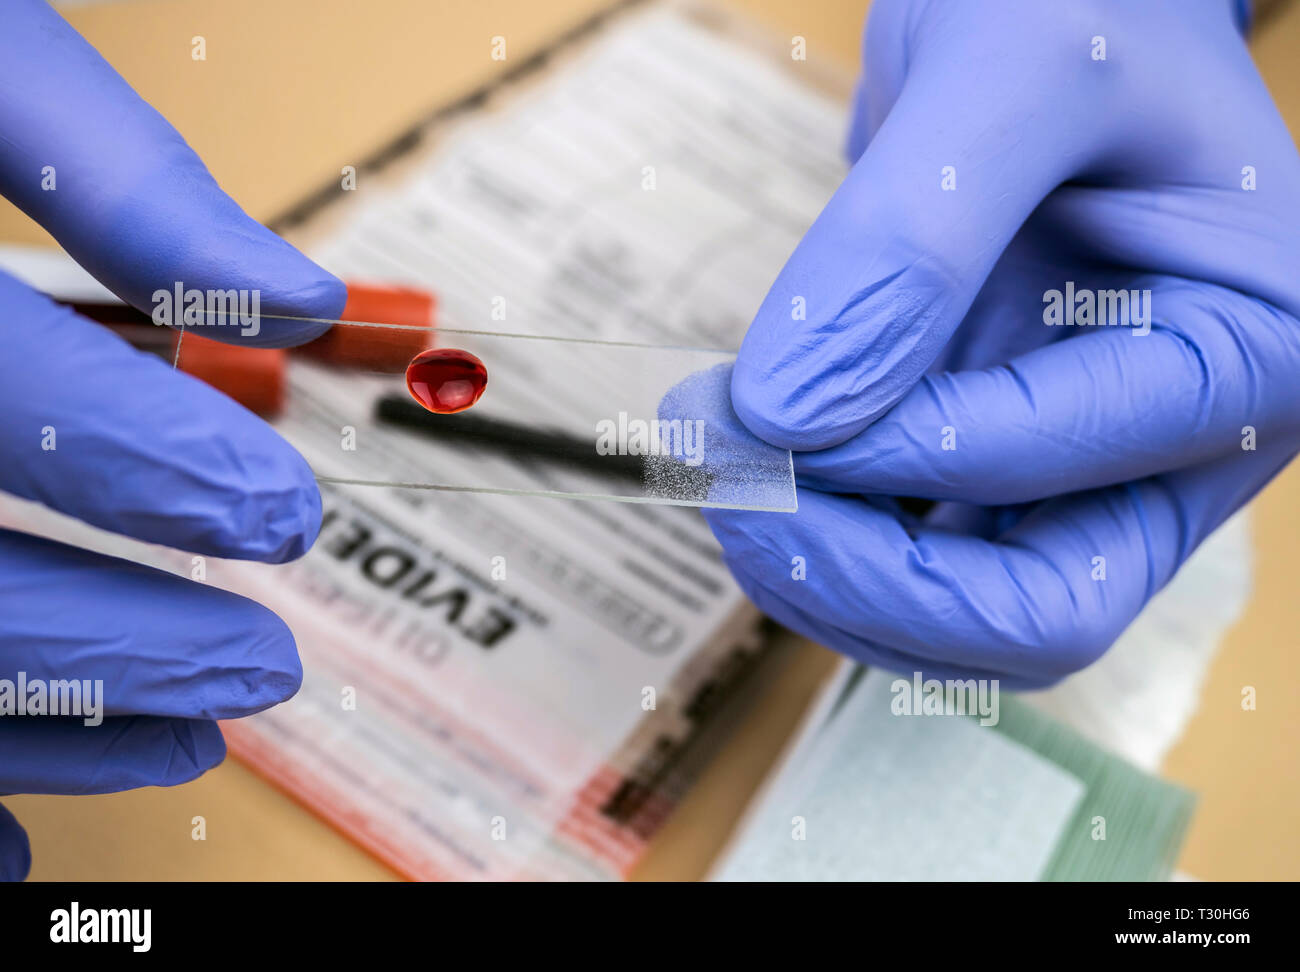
{"x": 1080, "y": 465}
{"x": 136, "y": 447}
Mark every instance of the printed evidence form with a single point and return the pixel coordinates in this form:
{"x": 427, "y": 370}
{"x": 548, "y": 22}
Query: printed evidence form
{"x": 478, "y": 666}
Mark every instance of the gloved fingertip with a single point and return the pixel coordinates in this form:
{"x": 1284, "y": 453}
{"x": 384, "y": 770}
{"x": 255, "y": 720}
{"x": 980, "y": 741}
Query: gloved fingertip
{"x": 15, "y": 849}
{"x": 246, "y": 662}
{"x": 265, "y": 507}
{"x": 782, "y": 413}
{"x": 318, "y": 293}
{"x": 311, "y": 515}
{"x": 276, "y": 675}
{"x": 304, "y": 290}
{"x": 295, "y": 521}
{"x": 197, "y": 747}
{"x": 189, "y": 237}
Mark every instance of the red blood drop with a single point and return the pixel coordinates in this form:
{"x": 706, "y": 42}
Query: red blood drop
{"x": 446, "y": 380}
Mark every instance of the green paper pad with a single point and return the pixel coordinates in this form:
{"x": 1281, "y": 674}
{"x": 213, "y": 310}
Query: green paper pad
{"x": 880, "y": 796}
{"x": 1146, "y": 817}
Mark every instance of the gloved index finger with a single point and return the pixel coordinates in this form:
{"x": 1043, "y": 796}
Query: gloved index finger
{"x": 118, "y": 187}
{"x": 982, "y": 131}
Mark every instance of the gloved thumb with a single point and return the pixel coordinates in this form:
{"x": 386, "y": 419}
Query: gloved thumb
{"x": 118, "y": 187}
{"x": 983, "y": 128}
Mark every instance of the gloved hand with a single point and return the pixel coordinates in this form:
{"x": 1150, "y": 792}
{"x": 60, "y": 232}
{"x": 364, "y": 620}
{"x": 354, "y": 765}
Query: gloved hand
{"x": 1079, "y": 466}
{"x": 137, "y": 448}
